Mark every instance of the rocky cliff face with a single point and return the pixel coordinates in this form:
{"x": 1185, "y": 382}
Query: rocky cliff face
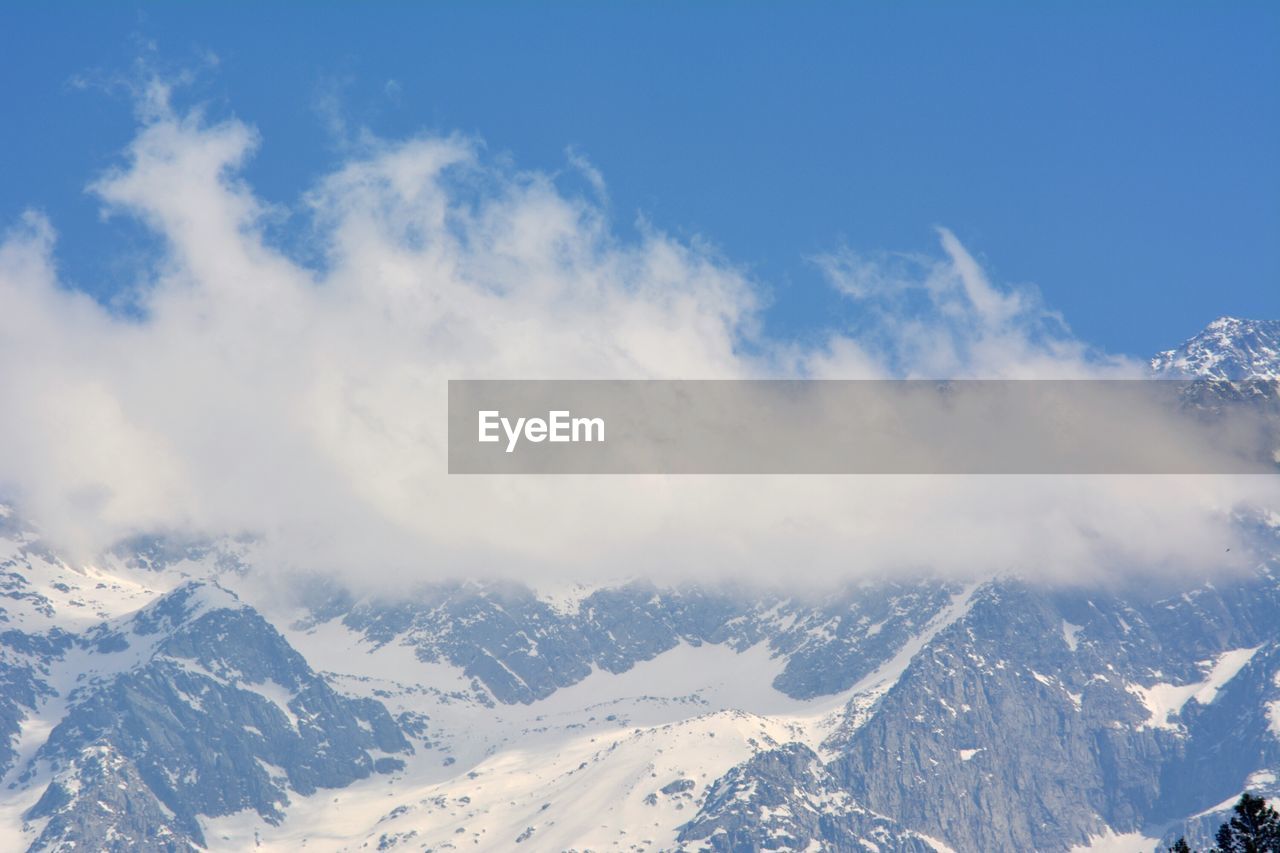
{"x": 786, "y": 799}
{"x": 1041, "y": 719}
{"x": 522, "y": 649}
{"x": 191, "y": 706}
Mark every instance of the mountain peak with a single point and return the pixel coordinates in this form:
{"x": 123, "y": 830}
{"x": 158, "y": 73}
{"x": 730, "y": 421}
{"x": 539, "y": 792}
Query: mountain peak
{"x": 1228, "y": 348}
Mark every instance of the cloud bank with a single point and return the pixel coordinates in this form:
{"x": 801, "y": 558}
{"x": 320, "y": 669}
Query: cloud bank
{"x": 304, "y": 402}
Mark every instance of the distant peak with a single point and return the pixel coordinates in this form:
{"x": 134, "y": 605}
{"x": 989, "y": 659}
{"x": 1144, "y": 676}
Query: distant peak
{"x": 1228, "y": 348}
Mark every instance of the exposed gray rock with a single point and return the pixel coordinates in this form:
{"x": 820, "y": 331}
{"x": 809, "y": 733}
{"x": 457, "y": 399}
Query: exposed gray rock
{"x": 521, "y": 649}
{"x": 224, "y": 715}
{"x": 1000, "y": 736}
{"x": 102, "y": 803}
{"x": 784, "y": 799}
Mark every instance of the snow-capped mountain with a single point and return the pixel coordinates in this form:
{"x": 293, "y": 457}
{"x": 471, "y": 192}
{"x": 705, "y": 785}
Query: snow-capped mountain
{"x": 1228, "y": 348}
{"x": 160, "y": 700}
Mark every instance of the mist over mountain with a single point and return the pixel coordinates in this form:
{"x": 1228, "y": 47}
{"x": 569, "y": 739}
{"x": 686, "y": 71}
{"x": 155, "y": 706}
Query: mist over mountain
{"x": 240, "y": 386}
{"x": 168, "y": 696}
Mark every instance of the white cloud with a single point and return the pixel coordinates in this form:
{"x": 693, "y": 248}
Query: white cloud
{"x": 941, "y": 316}
{"x": 307, "y": 404}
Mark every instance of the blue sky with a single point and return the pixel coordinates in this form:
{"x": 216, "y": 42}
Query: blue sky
{"x": 1123, "y": 157}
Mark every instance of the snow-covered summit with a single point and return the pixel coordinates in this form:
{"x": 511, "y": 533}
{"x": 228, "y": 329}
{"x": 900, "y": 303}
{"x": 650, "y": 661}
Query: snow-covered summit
{"x": 1228, "y": 348}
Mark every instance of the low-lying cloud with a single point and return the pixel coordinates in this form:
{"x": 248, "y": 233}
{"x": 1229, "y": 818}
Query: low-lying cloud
{"x": 305, "y": 402}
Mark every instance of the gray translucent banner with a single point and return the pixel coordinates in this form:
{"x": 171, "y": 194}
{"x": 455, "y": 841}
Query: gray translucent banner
{"x": 863, "y": 427}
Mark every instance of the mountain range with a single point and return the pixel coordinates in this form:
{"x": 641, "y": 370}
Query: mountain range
{"x": 158, "y": 699}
